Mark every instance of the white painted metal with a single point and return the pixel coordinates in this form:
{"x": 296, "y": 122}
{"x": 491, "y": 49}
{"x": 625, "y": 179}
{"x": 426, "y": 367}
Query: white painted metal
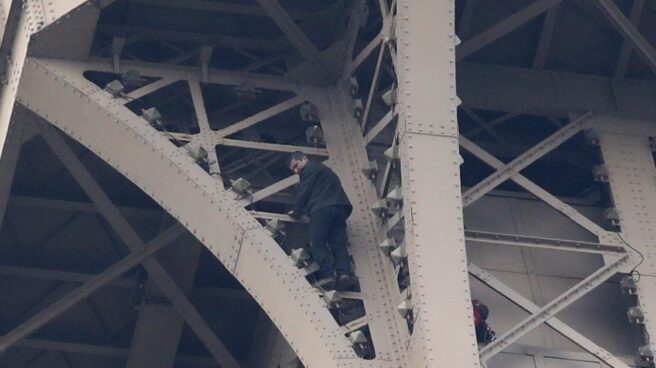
{"x": 428, "y": 146}
{"x": 374, "y": 270}
{"x": 632, "y": 171}
{"x": 206, "y": 210}
{"x": 484, "y": 237}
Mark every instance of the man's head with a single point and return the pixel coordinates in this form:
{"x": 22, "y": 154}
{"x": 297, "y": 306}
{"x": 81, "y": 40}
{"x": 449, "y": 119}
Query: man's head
{"x": 297, "y": 161}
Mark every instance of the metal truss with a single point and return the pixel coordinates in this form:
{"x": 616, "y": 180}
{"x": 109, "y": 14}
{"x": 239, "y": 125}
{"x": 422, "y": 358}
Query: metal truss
{"x": 516, "y": 298}
{"x": 97, "y": 282}
{"x": 631, "y": 168}
{"x": 207, "y": 210}
{"x": 552, "y": 308}
{"x": 426, "y": 121}
{"x": 549, "y": 199}
{"x": 375, "y": 271}
{"x": 515, "y": 166}
{"x": 485, "y": 237}
{"x": 432, "y": 201}
{"x": 130, "y": 237}
{"x": 629, "y": 31}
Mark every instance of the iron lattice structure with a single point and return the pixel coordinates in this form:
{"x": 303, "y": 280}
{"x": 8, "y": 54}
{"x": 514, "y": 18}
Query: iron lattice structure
{"x": 492, "y": 150}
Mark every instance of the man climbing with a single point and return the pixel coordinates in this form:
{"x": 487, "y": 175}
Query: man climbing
{"x": 484, "y": 333}
{"x": 321, "y": 197}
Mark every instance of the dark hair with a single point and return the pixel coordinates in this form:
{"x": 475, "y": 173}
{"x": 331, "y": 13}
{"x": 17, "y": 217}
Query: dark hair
{"x": 297, "y": 155}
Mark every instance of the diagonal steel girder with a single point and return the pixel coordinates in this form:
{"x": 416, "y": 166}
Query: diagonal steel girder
{"x": 548, "y": 198}
{"x": 89, "y": 287}
{"x": 515, "y": 166}
{"x": 212, "y": 214}
{"x": 295, "y": 35}
{"x": 548, "y": 311}
{"x": 504, "y": 27}
{"x": 25, "y": 19}
{"x": 629, "y": 31}
{"x": 130, "y": 237}
{"x": 517, "y": 299}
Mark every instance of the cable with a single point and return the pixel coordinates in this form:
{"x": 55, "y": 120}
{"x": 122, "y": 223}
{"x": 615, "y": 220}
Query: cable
{"x": 634, "y": 270}
{"x": 635, "y": 273}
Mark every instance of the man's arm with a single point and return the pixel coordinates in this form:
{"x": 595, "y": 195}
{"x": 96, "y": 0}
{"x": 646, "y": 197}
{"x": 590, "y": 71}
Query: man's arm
{"x": 308, "y": 180}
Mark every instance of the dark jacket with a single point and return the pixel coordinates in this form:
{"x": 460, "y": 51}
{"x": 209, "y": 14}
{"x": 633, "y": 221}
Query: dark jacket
{"x": 319, "y": 187}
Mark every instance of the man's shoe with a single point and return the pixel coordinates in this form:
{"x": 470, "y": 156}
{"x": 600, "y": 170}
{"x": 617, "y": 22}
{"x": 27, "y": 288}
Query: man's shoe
{"x": 343, "y": 282}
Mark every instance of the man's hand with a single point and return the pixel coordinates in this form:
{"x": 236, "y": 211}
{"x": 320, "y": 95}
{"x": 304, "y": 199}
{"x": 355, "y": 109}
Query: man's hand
{"x": 293, "y": 214}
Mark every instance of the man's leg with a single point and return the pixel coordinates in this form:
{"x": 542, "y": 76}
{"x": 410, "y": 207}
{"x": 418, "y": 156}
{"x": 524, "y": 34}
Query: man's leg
{"x": 319, "y": 235}
{"x": 338, "y": 242}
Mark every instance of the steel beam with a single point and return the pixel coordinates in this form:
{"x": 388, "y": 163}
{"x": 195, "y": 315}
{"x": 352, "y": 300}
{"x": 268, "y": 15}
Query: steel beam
{"x": 187, "y": 73}
{"x": 631, "y": 168}
{"x": 375, "y": 272}
{"x": 428, "y": 146}
{"x": 88, "y": 288}
{"x": 380, "y": 126}
{"x": 271, "y": 146}
{"x": 552, "y": 308}
{"x": 196, "y": 38}
{"x": 629, "y": 31}
{"x": 487, "y": 87}
{"x": 295, "y": 35}
{"x": 271, "y": 190}
{"x": 206, "y": 209}
{"x": 158, "y": 328}
{"x": 130, "y": 237}
{"x": 150, "y": 88}
{"x": 260, "y": 117}
{"x": 547, "y": 93}
{"x": 486, "y": 126}
{"x": 549, "y": 199}
{"x": 485, "y": 237}
{"x": 627, "y": 48}
{"x": 366, "y": 51}
{"x": 515, "y": 166}
{"x": 519, "y": 300}
{"x": 504, "y": 27}
{"x": 21, "y": 24}
{"x": 545, "y": 38}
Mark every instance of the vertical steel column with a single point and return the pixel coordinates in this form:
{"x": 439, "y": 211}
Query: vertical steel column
{"x": 632, "y": 178}
{"x": 381, "y": 295}
{"x": 430, "y": 166}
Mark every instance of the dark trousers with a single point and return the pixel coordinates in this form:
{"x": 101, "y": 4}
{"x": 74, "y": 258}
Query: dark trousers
{"x": 328, "y": 236}
{"x": 481, "y": 332}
